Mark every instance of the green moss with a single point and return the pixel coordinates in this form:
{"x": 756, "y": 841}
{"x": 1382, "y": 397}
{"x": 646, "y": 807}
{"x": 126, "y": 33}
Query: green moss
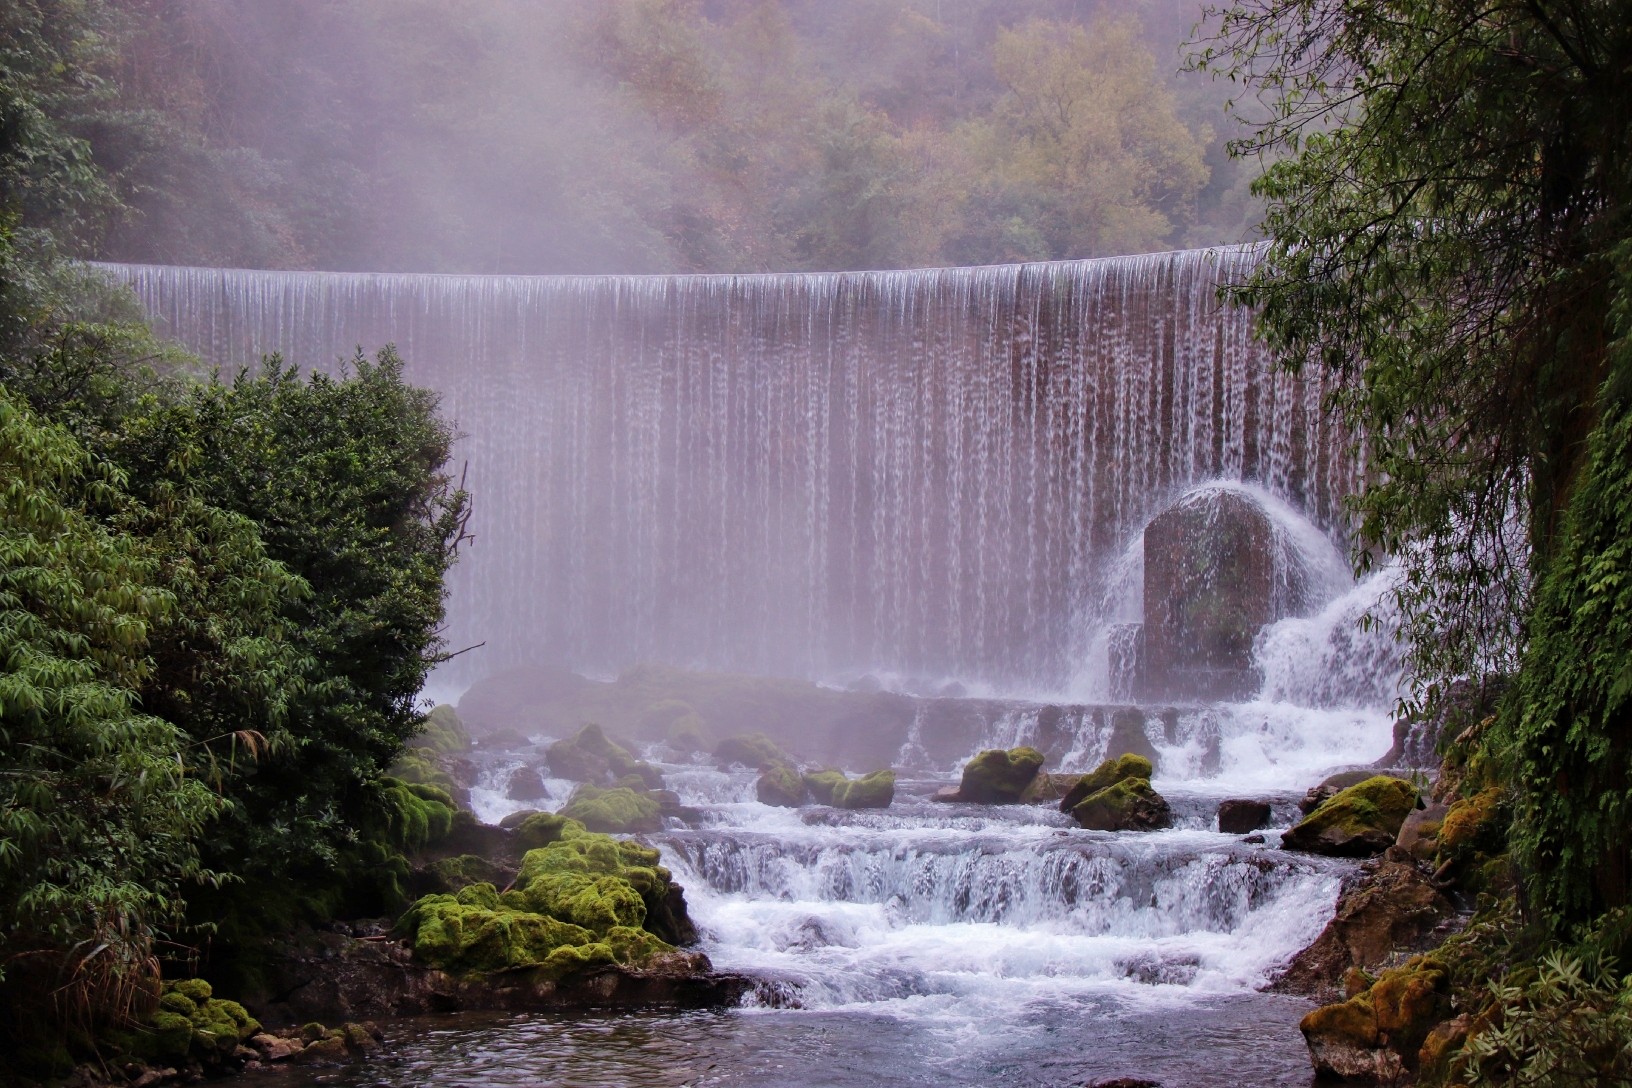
{"x": 1361, "y": 820}
{"x": 1127, "y": 805}
{"x": 780, "y": 785}
{"x": 417, "y": 815}
{"x": 1108, "y": 773}
{"x": 822, "y": 784}
{"x": 875, "y": 790}
{"x": 312, "y": 1031}
{"x": 416, "y": 768}
{"x": 466, "y": 869}
{"x": 1474, "y": 824}
{"x": 619, "y": 810}
{"x": 543, "y": 828}
{"x": 996, "y": 777}
{"x": 590, "y": 756}
{"x": 169, "y": 1035}
{"x": 580, "y": 901}
{"x": 178, "y": 1003}
{"x": 750, "y": 750}
{"x": 443, "y": 732}
{"x": 194, "y": 989}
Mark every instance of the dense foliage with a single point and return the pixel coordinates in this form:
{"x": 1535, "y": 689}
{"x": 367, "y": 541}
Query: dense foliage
{"x": 1444, "y": 240}
{"x": 653, "y": 135}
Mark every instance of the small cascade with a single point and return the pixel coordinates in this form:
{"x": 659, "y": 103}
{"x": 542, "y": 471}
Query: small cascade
{"x": 925, "y": 473}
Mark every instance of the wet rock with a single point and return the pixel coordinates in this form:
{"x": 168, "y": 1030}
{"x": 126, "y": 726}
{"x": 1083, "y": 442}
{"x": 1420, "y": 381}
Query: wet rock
{"x": 1209, "y": 587}
{"x": 996, "y": 777}
{"x": 1238, "y": 817}
{"x": 750, "y": 750}
{"x": 1048, "y": 788}
{"x": 1442, "y": 1043}
{"x": 617, "y": 811}
{"x": 330, "y": 1048}
{"x": 875, "y": 790}
{"x": 821, "y": 784}
{"x": 540, "y": 829}
{"x": 1125, "y": 1082}
{"x": 1378, "y": 1033}
{"x": 1419, "y": 835}
{"x": 1331, "y": 787}
{"x": 526, "y": 784}
{"x": 1128, "y": 734}
{"x": 1257, "y": 840}
{"x": 1359, "y": 821}
{"x": 514, "y": 820}
{"x": 1108, "y": 773}
{"x": 1128, "y": 805}
{"x": 1396, "y": 907}
{"x": 590, "y": 756}
{"x": 781, "y": 786}
{"x": 275, "y": 1049}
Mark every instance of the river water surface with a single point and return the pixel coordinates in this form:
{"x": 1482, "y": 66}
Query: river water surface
{"x": 954, "y": 944}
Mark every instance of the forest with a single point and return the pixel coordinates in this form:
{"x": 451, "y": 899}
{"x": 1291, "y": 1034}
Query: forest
{"x": 221, "y": 594}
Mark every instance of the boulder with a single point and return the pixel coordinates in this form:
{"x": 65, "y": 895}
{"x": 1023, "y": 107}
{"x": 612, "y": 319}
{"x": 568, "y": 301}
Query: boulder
{"x": 1108, "y": 773}
{"x": 822, "y": 783}
{"x": 1444, "y": 1040}
{"x": 996, "y": 777}
{"x": 750, "y": 750}
{"x": 1238, "y": 817}
{"x": 525, "y": 784}
{"x": 1473, "y": 824}
{"x": 514, "y": 820}
{"x": 1128, "y": 805}
{"x": 1396, "y": 907}
{"x": 1128, "y": 734}
{"x": 1419, "y": 835}
{"x": 781, "y": 786}
{"x": 1378, "y": 1034}
{"x": 1359, "y": 821}
{"x": 591, "y": 757}
{"x": 275, "y": 1049}
{"x": 617, "y": 811}
{"x": 1210, "y": 584}
{"x": 1048, "y": 788}
{"x": 542, "y": 828}
{"x": 688, "y": 734}
{"x": 875, "y": 790}
{"x": 1331, "y": 787}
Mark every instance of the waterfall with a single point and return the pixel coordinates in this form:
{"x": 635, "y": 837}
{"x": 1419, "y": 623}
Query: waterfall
{"x": 924, "y": 472}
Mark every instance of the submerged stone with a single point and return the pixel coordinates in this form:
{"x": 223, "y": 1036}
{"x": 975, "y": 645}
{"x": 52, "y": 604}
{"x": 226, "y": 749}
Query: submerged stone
{"x": 1359, "y": 821}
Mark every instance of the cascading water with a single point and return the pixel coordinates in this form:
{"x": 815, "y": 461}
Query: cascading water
{"x": 925, "y": 472}
{"x": 938, "y": 473}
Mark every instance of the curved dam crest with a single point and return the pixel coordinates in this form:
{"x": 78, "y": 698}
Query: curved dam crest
{"x": 928, "y": 473}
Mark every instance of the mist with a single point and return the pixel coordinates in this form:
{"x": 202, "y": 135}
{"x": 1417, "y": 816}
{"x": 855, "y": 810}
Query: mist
{"x": 661, "y": 136}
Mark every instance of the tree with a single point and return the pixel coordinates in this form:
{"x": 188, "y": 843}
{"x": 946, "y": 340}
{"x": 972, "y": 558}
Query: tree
{"x": 1450, "y": 241}
{"x": 1084, "y": 155}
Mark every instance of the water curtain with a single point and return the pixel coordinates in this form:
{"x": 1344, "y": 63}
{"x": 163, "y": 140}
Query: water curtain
{"x": 925, "y": 472}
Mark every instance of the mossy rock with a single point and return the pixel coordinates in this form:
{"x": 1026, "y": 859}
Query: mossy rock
{"x": 781, "y": 786}
{"x": 1048, "y": 789}
{"x": 591, "y": 757}
{"x": 996, "y": 777}
{"x": 1126, "y": 805}
{"x": 443, "y": 732}
{"x": 462, "y": 871}
{"x": 418, "y": 766}
{"x": 821, "y": 784}
{"x": 1108, "y": 773}
{"x": 617, "y": 811}
{"x": 579, "y": 902}
{"x": 166, "y": 1035}
{"x": 417, "y": 815}
{"x": 194, "y": 989}
{"x": 688, "y": 735}
{"x": 517, "y": 818}
{"x": 1474, "y": 825}
{"x": 1409, "y": 1001}
{"x": 875, "y": 790}
{"x": 1359, "y": 821}
{"x": 750, "y": 750}
{"x": 542, "y": 828}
